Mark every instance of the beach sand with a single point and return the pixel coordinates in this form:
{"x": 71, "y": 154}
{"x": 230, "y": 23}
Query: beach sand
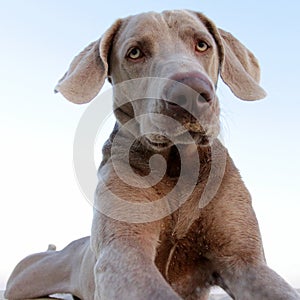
{"x": 68, "y": 297}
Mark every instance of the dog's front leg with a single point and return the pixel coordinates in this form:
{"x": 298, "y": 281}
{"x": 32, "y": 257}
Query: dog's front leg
{"x": 257, "y": 282}
{"x": 125, "y": 266}
{"x": 125, "y": 272}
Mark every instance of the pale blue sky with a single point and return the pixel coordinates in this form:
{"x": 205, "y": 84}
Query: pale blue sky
{"x": 40, "y": 199}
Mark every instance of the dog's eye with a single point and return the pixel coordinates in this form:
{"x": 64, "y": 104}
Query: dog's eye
{"x": 135, "y": 53}
{"x": 201, "y": 46}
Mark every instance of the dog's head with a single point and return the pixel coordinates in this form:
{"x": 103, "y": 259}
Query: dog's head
{"x": 164, "y": 69}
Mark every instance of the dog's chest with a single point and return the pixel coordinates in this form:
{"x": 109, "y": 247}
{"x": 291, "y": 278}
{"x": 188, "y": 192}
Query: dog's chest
{"x": 182, "y": 261}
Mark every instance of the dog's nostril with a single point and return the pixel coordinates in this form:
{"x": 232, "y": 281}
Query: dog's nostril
{"x": 201, "y": 98}
{"x": 204, "y": 98}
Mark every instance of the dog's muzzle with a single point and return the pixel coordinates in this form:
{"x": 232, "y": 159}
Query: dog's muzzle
{"x": 192, "y": 92}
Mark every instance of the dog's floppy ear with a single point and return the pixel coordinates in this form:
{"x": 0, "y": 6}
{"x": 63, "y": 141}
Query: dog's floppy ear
{"x": 240, "y": 69}
{"x": 88, "y": 70}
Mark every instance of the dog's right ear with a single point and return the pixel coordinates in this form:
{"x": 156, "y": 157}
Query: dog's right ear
{"x": 239, "y": 68}
{"x": 88, "y": 70}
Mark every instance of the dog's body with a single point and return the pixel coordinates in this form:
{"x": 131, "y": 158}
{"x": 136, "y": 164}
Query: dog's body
{"x": 177, "y": 249}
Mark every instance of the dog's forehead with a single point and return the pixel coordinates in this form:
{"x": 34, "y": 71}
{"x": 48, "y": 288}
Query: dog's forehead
{"x": 158, "y": 24}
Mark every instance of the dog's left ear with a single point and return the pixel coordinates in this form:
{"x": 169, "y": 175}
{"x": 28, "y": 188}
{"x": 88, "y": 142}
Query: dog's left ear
{"x": 239, "y": 68}
{"x": 88, "y": 70}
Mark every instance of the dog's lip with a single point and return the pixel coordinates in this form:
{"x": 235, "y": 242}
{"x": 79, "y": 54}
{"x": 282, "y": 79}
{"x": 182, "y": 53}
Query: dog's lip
{"x": 195, "y": 135}
{"x": 158, "y": 144}
{"x": 181, "y": 129}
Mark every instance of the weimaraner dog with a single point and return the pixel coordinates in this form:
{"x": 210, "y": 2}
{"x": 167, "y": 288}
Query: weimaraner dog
{"x": 141, "y": 247}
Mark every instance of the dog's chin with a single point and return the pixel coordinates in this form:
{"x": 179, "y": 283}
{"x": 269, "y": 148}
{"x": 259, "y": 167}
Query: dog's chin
{"x": 158, "y": 146}
{"x": 160, "y": 143}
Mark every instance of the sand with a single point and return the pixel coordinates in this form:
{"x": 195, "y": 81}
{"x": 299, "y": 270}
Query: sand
{"x": 68, "y": 297}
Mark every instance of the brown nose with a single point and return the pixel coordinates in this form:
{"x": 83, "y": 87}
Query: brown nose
{"x": 189, "y": 91}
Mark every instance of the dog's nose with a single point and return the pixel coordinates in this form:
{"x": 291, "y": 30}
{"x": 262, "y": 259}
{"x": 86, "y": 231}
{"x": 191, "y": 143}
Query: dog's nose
{"x": 189, "y": 91}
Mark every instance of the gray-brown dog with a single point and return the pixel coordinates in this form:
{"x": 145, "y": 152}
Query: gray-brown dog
{"x": 141, "y": 247}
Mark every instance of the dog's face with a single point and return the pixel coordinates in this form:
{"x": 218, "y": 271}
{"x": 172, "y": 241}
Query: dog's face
{"x": 164, "y": 69}
{"x": 179, "y": 49}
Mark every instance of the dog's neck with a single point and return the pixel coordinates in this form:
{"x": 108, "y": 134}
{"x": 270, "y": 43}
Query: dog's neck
{"x": 140, "y": 154}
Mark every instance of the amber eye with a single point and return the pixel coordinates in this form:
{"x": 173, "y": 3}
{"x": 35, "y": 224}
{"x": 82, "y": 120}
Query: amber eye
{"x": 201, "y": 46}
{"x": 135, "y": 53}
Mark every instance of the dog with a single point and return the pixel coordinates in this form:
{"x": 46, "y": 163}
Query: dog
{"x": 162, "y": 235}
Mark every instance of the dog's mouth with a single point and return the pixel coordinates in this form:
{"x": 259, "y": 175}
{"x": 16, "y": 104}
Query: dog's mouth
{"x": 179, "y": 127}
{"x": 160, "y": 142}
{"x": 166, "y": 125}
{"x": 159, "y": 145}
